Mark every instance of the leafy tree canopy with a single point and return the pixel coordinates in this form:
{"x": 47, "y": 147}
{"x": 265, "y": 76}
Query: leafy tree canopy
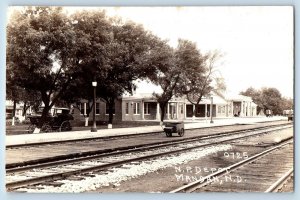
{"x": 269, "y": 98}
{"x": 40, "y": 56}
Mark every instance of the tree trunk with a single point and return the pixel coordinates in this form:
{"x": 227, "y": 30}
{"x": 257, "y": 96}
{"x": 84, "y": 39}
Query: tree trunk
{"x": 14, "y": 113}
{"x": 24, "y": 109}
{"x": 44, "y": 116}
{"x": 110, "y": 114}
{"x": 14, "y": 108}
{"x": 86, "y": 118}
{"x": 90, "y": 108}
{"x": 194, "y": 111}
{"x": 162, "y": 108}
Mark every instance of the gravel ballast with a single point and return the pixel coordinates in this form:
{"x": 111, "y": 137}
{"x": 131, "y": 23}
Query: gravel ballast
{"x": 126, "y": 172}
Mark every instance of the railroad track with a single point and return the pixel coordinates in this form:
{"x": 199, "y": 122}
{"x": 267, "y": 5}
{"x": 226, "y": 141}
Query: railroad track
{"x": 278, "y": 185}
{"x": 263, "y": 172}
{"x": 40, "y": 173}
{"x": 138, "y": 147}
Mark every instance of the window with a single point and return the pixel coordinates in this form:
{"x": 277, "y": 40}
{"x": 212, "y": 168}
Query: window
{"x": 107, "y": 112}
{"x": 98, "y": 108}
{"x": 82, "y": 109}
{"x": 219, "y": 109}
{"x": 127, "y": 109}
{"x": 146, "y": 109}
{"x": 136, "y": 108}
{"x": 198, "y": 110}
{"x": 181, "y": 108}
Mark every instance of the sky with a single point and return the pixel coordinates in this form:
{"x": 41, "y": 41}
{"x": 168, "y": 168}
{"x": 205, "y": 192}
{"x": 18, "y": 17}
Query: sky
{"x": 256, "y": 41}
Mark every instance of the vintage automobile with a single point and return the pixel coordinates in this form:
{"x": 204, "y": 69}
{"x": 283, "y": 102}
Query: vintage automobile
{"x": 57, "y": 121}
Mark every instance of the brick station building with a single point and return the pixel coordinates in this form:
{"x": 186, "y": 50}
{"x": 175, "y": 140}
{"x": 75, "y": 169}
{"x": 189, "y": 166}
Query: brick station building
{"x": 143, "y": 106}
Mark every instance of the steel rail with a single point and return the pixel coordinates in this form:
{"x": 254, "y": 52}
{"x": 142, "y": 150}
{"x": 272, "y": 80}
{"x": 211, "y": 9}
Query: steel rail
{"x": 280, "y": 181}
{"x": 25, "y": 167}
{"x": 118, "y": 150}
{"x": 198, "y": 184}
{"x": 57, "y": 176}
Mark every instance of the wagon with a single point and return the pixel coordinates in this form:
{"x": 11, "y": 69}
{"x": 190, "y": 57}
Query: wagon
{"x": 60, "y": 121}
{"x": 174, "y": 127}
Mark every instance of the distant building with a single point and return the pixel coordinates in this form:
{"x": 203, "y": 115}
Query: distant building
{"x": 9, "y": 106}
{"x": 242, "y": 105}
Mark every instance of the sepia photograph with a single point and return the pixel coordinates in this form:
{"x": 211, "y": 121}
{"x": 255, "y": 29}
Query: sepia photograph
{"x": 176, "y": 99}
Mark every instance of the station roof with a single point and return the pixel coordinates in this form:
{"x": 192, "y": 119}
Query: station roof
{"x": 216, "y": 100}
{"x": 145, "y": 90}
{"x": 238, "y": 97}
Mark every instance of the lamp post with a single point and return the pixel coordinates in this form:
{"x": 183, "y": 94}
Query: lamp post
{"x": 211, "y": 110}
{"x": 94, "y": 128}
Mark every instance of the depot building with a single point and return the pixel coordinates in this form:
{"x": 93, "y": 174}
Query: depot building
{"x": 144, "y": 106}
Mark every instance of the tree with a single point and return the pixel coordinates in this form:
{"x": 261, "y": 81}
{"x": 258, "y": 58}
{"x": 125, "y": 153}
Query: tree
{"x": 287, "y": 104}
{"x": 20, "y": 95}
{"x": 269, "y": 99}
{"x": 30, "y": 99}
{"x": 12, "y": 93}
{"x": 93, "y": 32}
{"x": 114, "y": 59}
{"x": 128, "y": 45}
{"x": 79, "y": 90}
{"x": 176, "y": 68}
{"x": 169, "y": 81}
{"x": 40, "y": 56}
{"x": 202, "y": 79}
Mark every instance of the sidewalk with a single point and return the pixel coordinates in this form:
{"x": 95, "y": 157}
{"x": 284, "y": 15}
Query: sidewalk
{"x": 73, "y": 135}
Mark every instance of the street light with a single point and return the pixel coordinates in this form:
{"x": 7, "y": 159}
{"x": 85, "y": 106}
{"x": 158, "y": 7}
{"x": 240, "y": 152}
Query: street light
{"x": 211, "y": 110}
{"x": 94, "y": 128}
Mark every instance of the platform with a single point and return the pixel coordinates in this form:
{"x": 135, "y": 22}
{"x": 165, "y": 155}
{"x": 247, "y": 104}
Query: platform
{"x": 74, "y": 135}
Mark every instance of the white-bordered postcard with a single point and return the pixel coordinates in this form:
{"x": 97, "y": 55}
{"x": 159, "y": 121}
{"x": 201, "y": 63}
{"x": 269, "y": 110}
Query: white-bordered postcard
{"x": 186, "y": 99}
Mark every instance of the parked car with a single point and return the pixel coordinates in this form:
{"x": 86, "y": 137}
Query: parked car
{"x": 59, "y": 121}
